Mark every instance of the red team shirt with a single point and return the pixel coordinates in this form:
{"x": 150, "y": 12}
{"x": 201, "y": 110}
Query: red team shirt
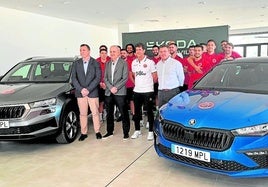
{"x": 194, "y": 75}
{"x": 102, "y": 66}
{"x": 129, "y": 83}
{"x": 211, "y": 59}
{"x": 156, "y": 60}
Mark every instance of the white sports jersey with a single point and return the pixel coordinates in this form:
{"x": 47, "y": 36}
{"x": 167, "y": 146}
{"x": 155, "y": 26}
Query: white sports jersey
{"x": 143, "y": 75}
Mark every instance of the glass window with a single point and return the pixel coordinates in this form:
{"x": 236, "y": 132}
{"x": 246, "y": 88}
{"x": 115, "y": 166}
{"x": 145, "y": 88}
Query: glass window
{"x": 252, "y": 51}
{"x": 264, "y": 50}
{"x": 239, "y": 50}
{"x": 250, "y": 77}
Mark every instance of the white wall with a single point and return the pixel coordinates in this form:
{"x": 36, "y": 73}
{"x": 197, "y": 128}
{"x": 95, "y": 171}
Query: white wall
{"x": 23, "y": 35}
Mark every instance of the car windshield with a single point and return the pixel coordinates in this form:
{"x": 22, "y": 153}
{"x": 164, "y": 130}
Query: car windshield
{"x": 39, "y": 71}
{"x": 244, "y": 77}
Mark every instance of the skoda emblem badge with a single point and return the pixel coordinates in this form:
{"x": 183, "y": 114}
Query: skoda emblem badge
{"x": 192, "y": 122}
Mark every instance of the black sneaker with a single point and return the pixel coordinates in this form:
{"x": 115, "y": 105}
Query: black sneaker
{"x": 82, "y": 137}
{"x": 126, "y": 136}
{"x": 107, "y": 135}
{"x": 98, "y": 135}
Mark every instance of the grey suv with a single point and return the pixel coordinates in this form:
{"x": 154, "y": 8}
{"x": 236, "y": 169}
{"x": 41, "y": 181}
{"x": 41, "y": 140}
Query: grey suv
{"x": 37, "y": 99}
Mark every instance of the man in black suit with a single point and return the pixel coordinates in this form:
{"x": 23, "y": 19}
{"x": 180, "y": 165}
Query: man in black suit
{"x": 86, "y": 77}
{"x": 115, "y": 78}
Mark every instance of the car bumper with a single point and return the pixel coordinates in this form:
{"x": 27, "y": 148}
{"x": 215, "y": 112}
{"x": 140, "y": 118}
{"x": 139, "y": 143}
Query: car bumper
{"x": 246, "y": 157}
{"x": 35, "y": 123}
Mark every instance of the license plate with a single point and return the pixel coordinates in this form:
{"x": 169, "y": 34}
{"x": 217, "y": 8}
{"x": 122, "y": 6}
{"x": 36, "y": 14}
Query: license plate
{"x": 190, "y": 153}
{"x": 4, "y": 124}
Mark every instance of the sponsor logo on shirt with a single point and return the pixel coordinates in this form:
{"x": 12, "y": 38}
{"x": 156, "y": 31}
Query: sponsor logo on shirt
{"x": 140, "y": 73}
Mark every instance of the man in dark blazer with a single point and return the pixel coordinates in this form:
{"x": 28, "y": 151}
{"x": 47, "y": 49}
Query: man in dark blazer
{"x": 115, "y": 78}
{"x": 86, "y": 77}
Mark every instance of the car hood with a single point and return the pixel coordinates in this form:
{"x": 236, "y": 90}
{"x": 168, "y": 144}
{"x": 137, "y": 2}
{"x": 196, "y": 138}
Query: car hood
{"x": 214, "y": 109}
{"x": 25, "y": 93}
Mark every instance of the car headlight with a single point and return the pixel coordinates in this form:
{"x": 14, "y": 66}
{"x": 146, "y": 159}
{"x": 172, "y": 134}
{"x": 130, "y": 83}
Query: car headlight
{"x": 43, "y": 103}
{"x": 258, "y": 130}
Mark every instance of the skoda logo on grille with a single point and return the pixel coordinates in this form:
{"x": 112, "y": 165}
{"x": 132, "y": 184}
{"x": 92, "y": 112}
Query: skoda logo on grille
{"x": 192, "y": 122}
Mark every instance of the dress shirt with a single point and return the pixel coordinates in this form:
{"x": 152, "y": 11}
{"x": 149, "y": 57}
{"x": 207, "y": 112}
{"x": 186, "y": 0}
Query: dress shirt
{"x": 85, "y": 63}
{"x": 113, "y": 68}
{"x": 170, "y": 74}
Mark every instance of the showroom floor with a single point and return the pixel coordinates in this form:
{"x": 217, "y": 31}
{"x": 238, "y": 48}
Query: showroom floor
{"x": 110, "y": 162}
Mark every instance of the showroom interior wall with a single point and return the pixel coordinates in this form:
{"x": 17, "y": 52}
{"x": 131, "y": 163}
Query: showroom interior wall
{"x": 23, "y": 35}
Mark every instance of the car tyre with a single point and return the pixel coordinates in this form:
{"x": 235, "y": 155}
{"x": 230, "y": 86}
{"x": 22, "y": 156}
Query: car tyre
{"x": 69, "y": 127}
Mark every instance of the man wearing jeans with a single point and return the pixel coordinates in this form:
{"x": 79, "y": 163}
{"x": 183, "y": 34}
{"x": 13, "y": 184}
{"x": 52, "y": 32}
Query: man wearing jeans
{"x": 86, "y": 77}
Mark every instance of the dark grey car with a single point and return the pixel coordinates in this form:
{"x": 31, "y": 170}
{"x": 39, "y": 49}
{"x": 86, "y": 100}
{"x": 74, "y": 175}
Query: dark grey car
{"x": 37, "y": 99}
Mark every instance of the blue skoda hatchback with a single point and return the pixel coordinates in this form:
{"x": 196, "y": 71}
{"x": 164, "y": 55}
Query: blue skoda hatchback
{"x": 221, "y": 125}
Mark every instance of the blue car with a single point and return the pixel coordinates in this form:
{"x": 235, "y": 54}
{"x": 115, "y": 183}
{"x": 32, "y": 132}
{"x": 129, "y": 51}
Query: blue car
{"x": 221, "y": 125}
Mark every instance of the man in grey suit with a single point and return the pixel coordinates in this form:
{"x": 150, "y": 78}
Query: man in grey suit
{"x": 86, "y": 76}
{"x": 115, "y": 78}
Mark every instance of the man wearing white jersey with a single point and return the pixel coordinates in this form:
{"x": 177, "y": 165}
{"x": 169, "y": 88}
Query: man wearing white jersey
{"x": 144, "y": 73}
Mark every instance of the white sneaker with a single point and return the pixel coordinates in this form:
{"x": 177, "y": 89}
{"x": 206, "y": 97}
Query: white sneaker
{"x": 136, "y": 134}
{"x": 147, "y": 125}
{"x": 150, "y": 136}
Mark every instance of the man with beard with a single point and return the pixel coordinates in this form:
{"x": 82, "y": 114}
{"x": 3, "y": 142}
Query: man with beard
{"x": 198, "y": 67}
{"x": 156, "y": 57}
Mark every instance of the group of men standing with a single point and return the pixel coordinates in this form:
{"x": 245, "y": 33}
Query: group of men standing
{"x": 129, "y": 79}
{"x": 87, "y": 75}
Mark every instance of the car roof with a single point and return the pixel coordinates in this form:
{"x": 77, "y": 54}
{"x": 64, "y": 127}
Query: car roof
{"x": 248, "y": 60}
{"x": 44, "y": 59}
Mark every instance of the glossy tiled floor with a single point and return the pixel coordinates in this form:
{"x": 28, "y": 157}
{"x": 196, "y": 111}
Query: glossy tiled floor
{"x": 110, "y": 162}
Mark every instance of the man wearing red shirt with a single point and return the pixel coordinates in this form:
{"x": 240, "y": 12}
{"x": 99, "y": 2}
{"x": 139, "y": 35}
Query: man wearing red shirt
{"x": 198, "y": 67}
{"x": 103, "y": 59}
{"x": 156, "y": 57}
{"x": 210, "y": 56}
{"x": 230, "y": 54}
{"x": 185, "y": 64}
{"x": 130, "y": 82}
{"x": 173, "y": 50}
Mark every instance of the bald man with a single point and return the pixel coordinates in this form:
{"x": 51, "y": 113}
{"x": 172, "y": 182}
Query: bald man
{"x": 115, "y": 78}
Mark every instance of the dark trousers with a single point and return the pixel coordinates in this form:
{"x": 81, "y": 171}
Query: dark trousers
{"x": 120, "y": 102}
{"x": 165, "y": 95}
{"x": 145, "y": 99}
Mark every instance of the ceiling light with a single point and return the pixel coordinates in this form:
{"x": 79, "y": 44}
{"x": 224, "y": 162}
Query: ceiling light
{"x": 66, "y": 2}
{"x": 201, "y": 2}
{"x": 152, "y": 20}
{"x": 40, "y": 6}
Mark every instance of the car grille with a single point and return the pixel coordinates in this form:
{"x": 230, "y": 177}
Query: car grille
{"x": 28, "y": 129}
{"x": 220, "y": 165}
{"x": 9, "y": 112}
{"x": 210, "y": 139}
{"x": 261, "y": 160}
